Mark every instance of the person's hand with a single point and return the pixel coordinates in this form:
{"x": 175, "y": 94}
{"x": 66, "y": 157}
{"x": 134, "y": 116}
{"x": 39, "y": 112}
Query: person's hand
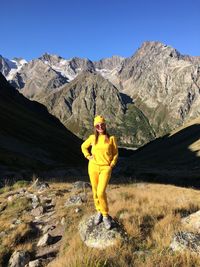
{"x": 91, "y": 157}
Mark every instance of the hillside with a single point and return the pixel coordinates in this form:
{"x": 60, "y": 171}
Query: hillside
{"x": 151, "y": 215}
{"x": 174, "y": 158}
{"x": 30, "y": 138}
{"x": 77, "y": 103}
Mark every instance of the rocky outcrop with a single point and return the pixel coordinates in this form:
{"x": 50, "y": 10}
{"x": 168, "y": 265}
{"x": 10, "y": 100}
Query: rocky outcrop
{"x": 163, "y": 84}
{"x": 98, "y": 236}
{"x": 189, "y": 238}
{"x": 19, "y": 259}
{"x": 36, "y": 78}
{"x": 186, "y": 241}
{"x": 4, "y": 66}
{"x": 68, "y": 68}
{"x": 192, "y": 222}
{"x": 109, "y": 68}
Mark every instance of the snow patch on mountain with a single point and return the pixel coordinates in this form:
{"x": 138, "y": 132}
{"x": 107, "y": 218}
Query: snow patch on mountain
{"x": 15, "y": 65}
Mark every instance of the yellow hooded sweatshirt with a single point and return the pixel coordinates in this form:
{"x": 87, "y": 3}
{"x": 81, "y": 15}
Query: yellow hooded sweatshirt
{"x": 104, "y": 154}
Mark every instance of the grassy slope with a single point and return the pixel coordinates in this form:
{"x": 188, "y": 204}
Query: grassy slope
{"x": 175, "y": 155}
{"x": 30, "y": 137}
{"x": 151, "y": 215}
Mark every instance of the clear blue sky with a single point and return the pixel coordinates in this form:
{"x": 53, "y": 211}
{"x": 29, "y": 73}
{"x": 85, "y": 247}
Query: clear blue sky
{"x": 96, "y": 28}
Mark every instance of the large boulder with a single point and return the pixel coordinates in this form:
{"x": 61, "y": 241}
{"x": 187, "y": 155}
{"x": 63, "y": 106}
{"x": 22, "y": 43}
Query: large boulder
{"x": 186, "y": 240}
{"x": 192, "y": 222}
{"x": 19, "y": 259}
{"x": 97, "y": 236}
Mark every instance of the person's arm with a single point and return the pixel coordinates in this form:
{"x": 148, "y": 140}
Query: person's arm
{"x": 84, "y": 147}
{"x": 114, "y": 152}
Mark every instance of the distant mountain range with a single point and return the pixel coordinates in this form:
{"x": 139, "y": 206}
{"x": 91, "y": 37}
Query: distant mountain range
{"x": 143, "y": 97}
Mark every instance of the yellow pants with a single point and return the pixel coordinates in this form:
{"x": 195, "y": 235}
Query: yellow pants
{"x": 99, "y": 178}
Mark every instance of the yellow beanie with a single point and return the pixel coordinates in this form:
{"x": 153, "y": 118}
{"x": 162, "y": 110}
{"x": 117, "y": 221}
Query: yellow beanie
{"x": 99, "y": 119}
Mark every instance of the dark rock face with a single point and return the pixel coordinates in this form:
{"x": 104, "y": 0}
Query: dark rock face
{"x": 4, "y": 67}
{"x": 30, "y": 135}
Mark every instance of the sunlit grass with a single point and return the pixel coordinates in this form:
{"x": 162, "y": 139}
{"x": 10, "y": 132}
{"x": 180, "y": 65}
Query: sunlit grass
{"x": 149, "y": 213}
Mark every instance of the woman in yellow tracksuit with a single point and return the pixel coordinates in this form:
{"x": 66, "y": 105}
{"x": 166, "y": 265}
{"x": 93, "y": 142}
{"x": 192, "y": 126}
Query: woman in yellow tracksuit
{"x": 102, "y": 159}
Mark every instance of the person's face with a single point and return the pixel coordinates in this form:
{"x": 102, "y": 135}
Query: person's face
{"x": 100, "y": 127}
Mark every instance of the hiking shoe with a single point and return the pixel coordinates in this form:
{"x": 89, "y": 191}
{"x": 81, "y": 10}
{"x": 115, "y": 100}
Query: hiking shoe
{"x": 98, "y": 218}
{"x": 107, "y": 222}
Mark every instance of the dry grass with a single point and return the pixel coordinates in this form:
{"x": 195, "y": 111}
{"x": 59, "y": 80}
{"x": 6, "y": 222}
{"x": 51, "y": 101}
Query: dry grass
{"x": 17, "y": 235}
{"x": 152, "y": 213}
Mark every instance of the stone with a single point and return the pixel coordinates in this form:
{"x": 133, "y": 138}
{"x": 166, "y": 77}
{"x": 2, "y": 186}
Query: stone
{"x": 35, "y": 263}
{"x": 10, "y": 198}
{"x": 186, "y": 240}
{"x": 40, "y": 186}
{"x": 22, "y": 191}
{"x": 37, "y": 211}
{"x": 74, "y": 200}
{"x": 48, "y": 228}
{"x": 77, "y": 210}
{"x": 19, "y": 259}
{"x": 45, "y": 240}
{"x": 81, "y": 185}
{"x": 34, "y": 198}
{"x": 17, "y": 221}
{"x": 43, "y": 186}
{"x": 192, "y": 221}
{"x": 46, "y": 200}
{"x": 97, "y": 236}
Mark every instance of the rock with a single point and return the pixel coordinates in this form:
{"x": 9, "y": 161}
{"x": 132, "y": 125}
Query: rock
{"x": 192, "y": 221}
{"x": 74, "y": 200}
{"x": 46, "y": 200}
{"x": 35, "y": 263}
{"x": 77, "y": 210}
{"x": 10, "y": 198}
{"x": 35, "y": 201}
{"x": 186, "y": 240}
{"x": 37, "y": 211}
{"x": 40, "y": 186}
{"x": 16, "y": 221}
{"x": 48, "y": 228}
{"x": 81, "y": 185}
{"x": 19, "y": 259}
{"x": 22, "y": 191}
{"x": 43, "y": 186}
{"x": 34, "y": 198}
{"x": 98, "y": 236}
{"x": 45, "y": 240}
